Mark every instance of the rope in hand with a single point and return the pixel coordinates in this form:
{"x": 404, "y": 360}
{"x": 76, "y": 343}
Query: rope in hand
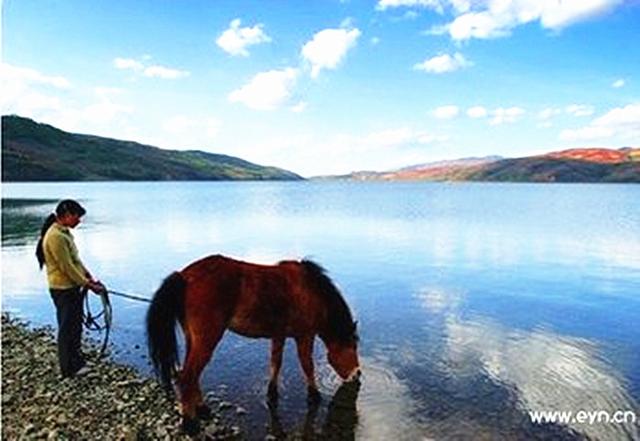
{"x": 102, "y": 320}
{"x": 92, "y": 321}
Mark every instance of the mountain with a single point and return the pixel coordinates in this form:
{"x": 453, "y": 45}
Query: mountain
{"x": 574, "y": 165}
{"x": 38, "y": 152}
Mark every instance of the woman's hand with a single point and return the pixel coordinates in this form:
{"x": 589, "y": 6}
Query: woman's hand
{"x": 97, "y": 287}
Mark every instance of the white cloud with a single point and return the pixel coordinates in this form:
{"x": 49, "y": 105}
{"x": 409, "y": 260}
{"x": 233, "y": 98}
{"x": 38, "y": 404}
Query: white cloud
{"x": 235, "y": 40}
{"x": 560, "y": 14}
{"x": 618, "y": 83}
{"x": 267, "y": 90}
{"x": 446, "y": 112}
{"x": 104, "y": 111}
{"x": 546, "y": 115}
{"x": 310, "y": 153}
{"x": 164, "y": 72}
{"x": 430, "y": 4}
{"x": 461, "y": 5}
{"x": 28, "y": 92}
{"x": 549, "y": 113}
{"x": 379, "y": 150}
{"x": 106, "y": 108}
{"x": 94, "y": 111}
{"x": 31, "y": 102}
{"x": 588, "y": 133}
{"x": 11, "y": 75}
{"x": 508, "y": 115}
{"x": 477, "y": 112}
{"x": 328, "y": 48}
{"x": 621, "y": 122}
{"x": 443, "y": 63}
{"x": 476, "y": 25}
{"x": 496, "y": 18}
{"x": 429, "y": 138}
{"x": 579, "y": 110}
{"x": 347, "y": 23}
{"x": 621, "y": 117}
{"x": 212, "y": 127}
{"x": 388, "y": 139}
{"x": 100, "y": 110}
{"x": 299, "y": 108}
{"x": 177, "y": 124}
{"x": 128, "y": 64}
{"x": 152, "y": 71}
{"x": 410, "y": 15}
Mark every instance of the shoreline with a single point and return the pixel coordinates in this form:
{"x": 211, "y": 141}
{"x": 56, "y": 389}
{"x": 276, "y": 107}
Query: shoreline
{"x": 111, "y": 401}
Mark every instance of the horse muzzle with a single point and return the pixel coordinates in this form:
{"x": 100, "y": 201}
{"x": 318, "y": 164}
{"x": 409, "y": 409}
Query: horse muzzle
{"x": 355, "y": 375}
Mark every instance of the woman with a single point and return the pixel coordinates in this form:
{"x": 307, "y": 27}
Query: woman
{"x": 66, "y": 276}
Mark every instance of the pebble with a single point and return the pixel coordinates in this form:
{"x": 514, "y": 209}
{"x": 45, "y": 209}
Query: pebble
{"x": 111, "y": 403}
{"x": 225, "y": 405}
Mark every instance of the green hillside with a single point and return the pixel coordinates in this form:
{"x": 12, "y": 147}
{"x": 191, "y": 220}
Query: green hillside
{"x": 40, "y": 152}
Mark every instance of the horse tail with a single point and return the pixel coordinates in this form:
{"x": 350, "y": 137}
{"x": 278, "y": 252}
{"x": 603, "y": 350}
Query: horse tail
{"x": 167, "y": 307}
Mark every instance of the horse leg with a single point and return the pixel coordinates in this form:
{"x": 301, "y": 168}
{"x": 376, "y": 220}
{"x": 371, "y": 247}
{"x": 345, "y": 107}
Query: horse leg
{"x": 197, "y": 357}
{"x": 277, "y": 346}
{"x": 305, "y": 355}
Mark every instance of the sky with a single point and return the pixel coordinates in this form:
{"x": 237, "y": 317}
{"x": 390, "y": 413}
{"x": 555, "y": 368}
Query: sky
{"x": 330, "y": 86}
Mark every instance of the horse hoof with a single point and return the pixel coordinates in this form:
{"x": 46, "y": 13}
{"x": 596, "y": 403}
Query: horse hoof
{"x": 203, "y": 412}
{"x": 190, "y": 426}
{"x": 313, "y": 396}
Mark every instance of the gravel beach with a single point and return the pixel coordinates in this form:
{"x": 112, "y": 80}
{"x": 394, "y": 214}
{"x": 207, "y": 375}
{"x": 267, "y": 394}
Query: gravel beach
{"x": 112, "y": 401}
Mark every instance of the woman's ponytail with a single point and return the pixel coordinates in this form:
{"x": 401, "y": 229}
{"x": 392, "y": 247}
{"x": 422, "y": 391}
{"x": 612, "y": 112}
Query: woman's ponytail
{"x": 39, "y": 248}
{"x": 64, "y": 207}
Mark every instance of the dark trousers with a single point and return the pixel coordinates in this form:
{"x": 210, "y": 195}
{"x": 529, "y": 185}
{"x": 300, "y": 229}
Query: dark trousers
{"x": 69, "y": 314}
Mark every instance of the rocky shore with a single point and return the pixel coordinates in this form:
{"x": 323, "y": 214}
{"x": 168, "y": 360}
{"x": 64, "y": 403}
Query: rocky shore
{"x": 112, "y": 401}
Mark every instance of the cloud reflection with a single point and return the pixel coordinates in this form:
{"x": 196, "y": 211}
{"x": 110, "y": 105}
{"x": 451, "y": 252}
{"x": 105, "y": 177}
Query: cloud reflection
{"x": 385, "y": 403}
{"x": 546, "y": 371}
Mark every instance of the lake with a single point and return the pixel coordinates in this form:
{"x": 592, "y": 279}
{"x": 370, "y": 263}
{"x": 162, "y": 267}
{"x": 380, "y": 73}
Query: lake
{"x": 477, "y": 303}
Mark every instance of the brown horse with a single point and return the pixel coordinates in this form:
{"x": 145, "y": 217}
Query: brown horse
{"x": 290, "y": 299}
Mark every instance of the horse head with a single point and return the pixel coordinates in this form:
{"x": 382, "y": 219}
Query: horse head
{"x": 343, "y": 356}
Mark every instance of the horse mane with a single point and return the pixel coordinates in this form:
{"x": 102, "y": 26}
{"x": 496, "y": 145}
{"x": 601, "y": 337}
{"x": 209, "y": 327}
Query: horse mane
{"x": 340, "y": 325}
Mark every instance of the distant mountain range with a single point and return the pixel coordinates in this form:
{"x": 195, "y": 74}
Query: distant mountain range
{"x": 574, "y": 165}
{"x": 40, "y": 152}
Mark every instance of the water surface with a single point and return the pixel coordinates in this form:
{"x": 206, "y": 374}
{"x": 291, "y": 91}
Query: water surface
{"x": 477, "y": 303}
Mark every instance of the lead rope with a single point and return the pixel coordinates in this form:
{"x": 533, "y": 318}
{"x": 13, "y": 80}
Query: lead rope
{"x": 93, "y": 322}
{"x": 102, "y": 321}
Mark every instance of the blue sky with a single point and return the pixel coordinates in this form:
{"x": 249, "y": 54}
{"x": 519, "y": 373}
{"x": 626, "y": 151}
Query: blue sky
{"x": 320, "y": 87}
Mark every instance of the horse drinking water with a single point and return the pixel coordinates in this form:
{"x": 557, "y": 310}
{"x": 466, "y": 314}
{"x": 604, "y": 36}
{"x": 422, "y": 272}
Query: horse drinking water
{"x": 290, "y": 299}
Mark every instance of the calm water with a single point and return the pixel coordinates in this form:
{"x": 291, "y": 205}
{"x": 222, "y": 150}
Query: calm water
{"x": 477, "y": 303}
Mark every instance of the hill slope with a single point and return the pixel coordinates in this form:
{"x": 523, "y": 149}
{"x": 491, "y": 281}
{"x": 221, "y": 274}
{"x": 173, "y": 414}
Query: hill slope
{"x": 575, "y": 165}
{"x": 40, "y": 152}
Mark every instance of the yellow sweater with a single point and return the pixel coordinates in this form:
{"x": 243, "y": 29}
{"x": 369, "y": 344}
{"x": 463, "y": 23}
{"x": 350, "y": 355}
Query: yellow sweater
{"x": 64, "y": 268}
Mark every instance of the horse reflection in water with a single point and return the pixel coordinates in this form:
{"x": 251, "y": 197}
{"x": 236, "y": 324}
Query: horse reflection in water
{"x": 291, "y": 299}
{"x": 340, "y": 422}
